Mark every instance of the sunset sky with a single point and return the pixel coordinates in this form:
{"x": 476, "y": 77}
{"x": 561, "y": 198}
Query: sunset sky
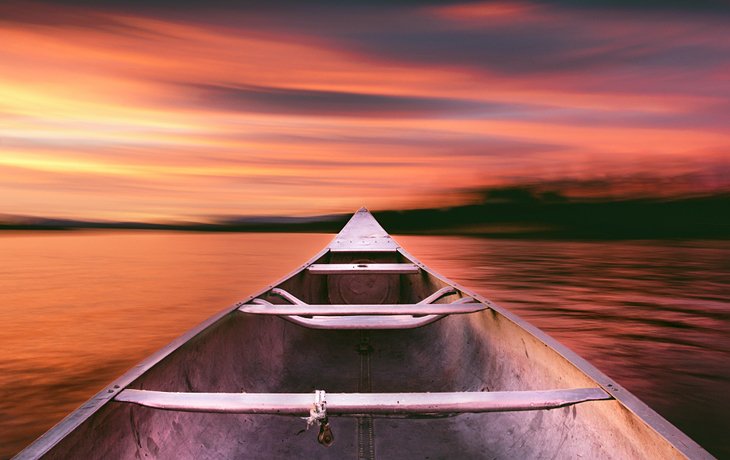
{"x": 155, "y": 110}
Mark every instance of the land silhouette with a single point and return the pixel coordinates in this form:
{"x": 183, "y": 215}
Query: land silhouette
{"x": 513, "y": 212}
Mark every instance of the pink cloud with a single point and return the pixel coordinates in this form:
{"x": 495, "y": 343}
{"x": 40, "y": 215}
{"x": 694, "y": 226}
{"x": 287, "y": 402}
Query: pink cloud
{"x": 131, "y": 114}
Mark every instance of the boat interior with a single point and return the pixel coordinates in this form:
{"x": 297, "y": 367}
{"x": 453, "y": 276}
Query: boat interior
{"x": 362, "y": 353}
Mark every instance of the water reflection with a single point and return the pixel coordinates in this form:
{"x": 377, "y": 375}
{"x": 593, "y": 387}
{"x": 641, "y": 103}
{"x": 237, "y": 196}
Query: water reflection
{"x": 78, "y": 309}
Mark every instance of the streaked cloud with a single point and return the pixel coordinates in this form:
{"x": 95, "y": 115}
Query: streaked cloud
{"x": 260, "y": 99}
{"x": 139, "y": 110}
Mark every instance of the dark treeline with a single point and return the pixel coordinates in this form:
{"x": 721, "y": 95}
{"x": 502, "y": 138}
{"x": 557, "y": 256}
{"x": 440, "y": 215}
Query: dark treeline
{"x": 503, "y": 213}
{"x": 520, "y": 212}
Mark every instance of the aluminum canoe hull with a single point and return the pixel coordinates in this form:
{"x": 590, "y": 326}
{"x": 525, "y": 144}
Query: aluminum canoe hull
{"x": 472, "y": 354}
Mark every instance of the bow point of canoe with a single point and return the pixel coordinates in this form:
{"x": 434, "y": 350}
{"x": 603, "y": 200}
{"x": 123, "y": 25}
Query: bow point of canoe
{"x": 385, "y": 357}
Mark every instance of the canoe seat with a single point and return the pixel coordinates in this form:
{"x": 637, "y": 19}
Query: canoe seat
{"x": 363, "y": 316}
{"x": 362, "y": 310}
{"x": 354, "y": 404}
{"x": 363, "y": 268}
{"x": 363, "y": 278}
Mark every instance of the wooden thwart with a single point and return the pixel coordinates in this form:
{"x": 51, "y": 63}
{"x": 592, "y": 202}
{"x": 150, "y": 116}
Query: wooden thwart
{"x": 383, "y": 404}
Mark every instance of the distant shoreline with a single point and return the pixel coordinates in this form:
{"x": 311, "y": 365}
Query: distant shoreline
{"x": 513, "y": 214}
{"x": 525, "y": 232}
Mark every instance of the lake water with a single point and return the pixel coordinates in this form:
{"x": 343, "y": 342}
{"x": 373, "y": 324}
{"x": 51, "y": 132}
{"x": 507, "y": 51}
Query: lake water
{"x": 77, "y": 309}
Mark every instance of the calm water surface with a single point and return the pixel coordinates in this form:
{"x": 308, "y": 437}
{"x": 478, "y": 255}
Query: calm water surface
{"x": 78, "y": 309}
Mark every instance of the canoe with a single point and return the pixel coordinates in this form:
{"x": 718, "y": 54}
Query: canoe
{"x": 364, "y": 352}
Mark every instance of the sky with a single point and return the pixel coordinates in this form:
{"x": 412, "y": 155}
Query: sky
{"x": 162, "y": 110}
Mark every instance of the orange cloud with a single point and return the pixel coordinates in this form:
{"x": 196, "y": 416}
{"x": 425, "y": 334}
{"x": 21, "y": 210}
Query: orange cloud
{"x": 107, "y": 114}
